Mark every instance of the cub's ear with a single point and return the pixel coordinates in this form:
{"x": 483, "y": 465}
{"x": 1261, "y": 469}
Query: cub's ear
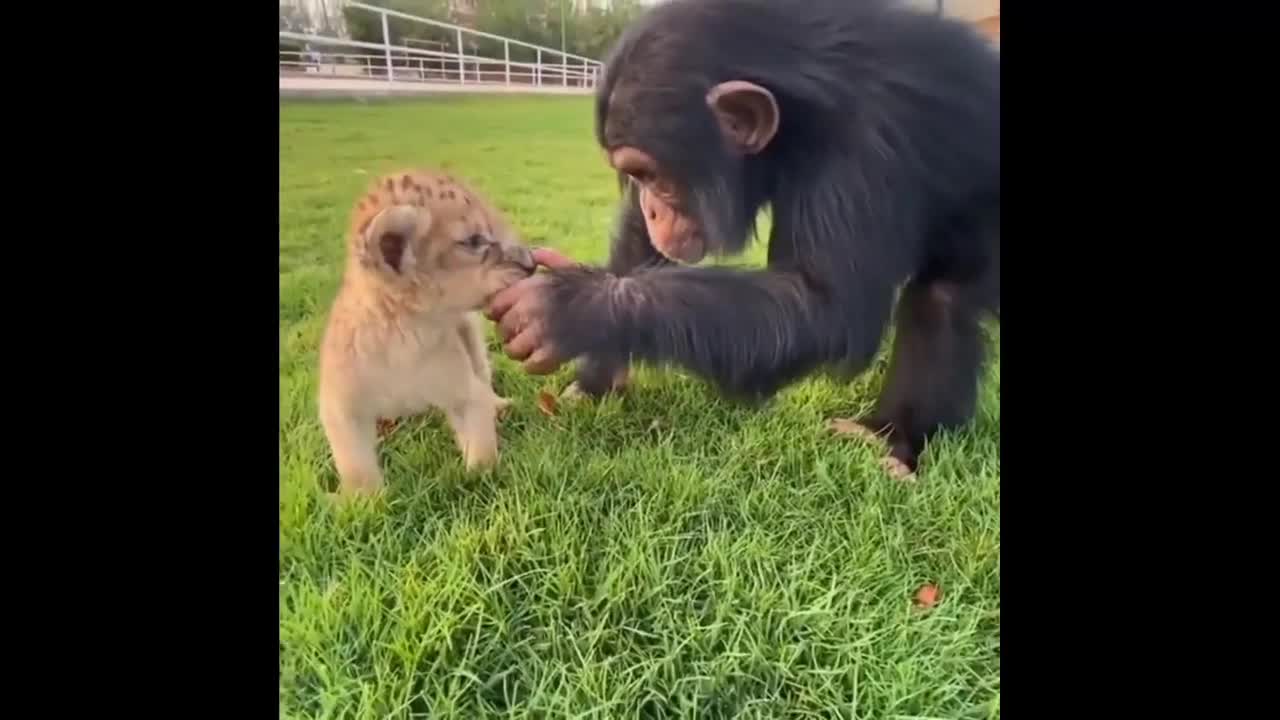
{"x": 747, "y": 113}
{"x": 386, "y": 241}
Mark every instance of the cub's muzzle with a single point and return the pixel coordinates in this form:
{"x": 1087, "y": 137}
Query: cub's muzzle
{"x": 521, "y": 256}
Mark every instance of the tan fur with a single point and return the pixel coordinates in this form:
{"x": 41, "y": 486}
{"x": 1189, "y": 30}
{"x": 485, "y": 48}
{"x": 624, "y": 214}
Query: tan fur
{"x": 424, "y": 253}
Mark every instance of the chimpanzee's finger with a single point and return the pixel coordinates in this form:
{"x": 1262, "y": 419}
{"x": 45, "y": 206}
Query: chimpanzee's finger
{"x": 502, "y": 301}
{"x": 542, "y": 362}
{"x": 551, "y": 258}
{"x": 511, "y": 325}
{"x": 525, "y": 342}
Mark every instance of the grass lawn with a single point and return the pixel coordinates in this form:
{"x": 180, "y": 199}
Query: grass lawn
{"x": 664, "y": 554}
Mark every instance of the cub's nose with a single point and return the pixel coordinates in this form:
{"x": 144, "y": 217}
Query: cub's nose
{"x": 520, "y": 255}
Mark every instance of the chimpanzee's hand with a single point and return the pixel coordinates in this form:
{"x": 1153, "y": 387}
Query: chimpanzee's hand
{"x": 520, "y": 311}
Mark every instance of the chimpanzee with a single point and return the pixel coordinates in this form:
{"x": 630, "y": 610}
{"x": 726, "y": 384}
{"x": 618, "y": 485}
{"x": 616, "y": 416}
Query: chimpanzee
{"x": 872, "y": 132}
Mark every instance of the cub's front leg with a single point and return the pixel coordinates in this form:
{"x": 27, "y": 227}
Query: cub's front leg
{"x": 471, "y": 331}
{"x": 475, "y": 426}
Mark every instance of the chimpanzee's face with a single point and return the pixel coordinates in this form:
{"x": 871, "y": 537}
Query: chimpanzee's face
{"x": 688, "y": 167}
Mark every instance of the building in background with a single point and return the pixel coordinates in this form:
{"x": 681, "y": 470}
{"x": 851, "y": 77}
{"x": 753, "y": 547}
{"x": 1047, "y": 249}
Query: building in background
{"x": 984, "y": 14}
{"x": 972, "y": 10}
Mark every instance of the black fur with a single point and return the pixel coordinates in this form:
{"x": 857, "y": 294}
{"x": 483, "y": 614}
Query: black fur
{"x": 885, "y": 171}
{"x": 631, "y": 252}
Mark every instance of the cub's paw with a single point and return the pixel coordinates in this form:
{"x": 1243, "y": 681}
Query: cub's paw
{"x": 501, "y": 406}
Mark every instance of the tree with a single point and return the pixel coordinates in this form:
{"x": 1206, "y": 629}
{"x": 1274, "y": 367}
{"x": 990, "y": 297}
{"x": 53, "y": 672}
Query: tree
{"x": 589, "y": 33}
{"x": 366, "y": 26}
{"x": 293, "y": 18}
{"x": 597, "y": 30}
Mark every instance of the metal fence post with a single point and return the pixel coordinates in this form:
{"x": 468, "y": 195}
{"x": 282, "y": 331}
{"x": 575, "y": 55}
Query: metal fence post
{"x": 538, "y": 82}
{"x": 462, "y": 68}
{"x": 506, "y": 57}
{"x": 386, "y": 46}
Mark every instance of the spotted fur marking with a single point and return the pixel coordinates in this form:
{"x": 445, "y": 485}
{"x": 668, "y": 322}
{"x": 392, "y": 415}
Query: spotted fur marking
{"x": 423, "y": 188}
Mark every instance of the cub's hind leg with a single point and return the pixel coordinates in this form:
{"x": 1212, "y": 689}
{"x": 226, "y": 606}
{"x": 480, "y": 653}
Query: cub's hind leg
{"x": 354, "y": 442}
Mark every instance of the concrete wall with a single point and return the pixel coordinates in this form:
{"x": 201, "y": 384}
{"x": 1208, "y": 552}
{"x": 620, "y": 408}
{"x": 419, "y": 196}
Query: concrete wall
{"x": 991, "y": 28}
{"x": 963, "y": 9}
{"x": 971, "y": 9}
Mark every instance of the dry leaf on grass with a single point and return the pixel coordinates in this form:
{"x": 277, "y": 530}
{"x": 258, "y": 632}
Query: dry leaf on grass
{"x": 547, "y": 403}
{"x": 385, "y": 427}
{"x": 928, "y": 596}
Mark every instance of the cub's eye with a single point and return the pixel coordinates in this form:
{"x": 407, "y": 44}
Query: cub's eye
{"x": 474, "y": 242}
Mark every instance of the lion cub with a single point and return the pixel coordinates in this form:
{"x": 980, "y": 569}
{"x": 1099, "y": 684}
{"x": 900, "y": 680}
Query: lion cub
{"x": 423, "y": 253}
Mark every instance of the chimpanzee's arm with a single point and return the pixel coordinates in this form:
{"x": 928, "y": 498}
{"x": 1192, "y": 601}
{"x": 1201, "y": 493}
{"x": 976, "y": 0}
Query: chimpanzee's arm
{"x": 751, "y": 332}
{"x": 599, "y": 372}
{"x": 826, "y": 297}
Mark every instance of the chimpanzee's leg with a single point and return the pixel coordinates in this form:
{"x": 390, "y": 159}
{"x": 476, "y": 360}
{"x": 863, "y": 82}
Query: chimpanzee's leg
{"x": 936, "y": 363}
{"x": 934, "y": 370}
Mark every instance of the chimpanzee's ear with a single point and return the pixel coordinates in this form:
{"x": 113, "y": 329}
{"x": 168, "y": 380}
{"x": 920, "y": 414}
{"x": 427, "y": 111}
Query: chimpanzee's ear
{"x": 387, "y": 239}
{"x": 747, "y": 113}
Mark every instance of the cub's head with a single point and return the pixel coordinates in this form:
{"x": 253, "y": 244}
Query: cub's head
{"x": 426, "y": 237}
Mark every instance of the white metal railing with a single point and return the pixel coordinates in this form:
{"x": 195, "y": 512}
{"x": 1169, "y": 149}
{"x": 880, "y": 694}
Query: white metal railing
{"x": 401, "y": 63}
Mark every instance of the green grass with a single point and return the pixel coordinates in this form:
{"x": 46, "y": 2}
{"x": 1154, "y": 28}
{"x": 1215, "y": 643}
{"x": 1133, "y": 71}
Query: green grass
{"x": 664, "y": 554}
